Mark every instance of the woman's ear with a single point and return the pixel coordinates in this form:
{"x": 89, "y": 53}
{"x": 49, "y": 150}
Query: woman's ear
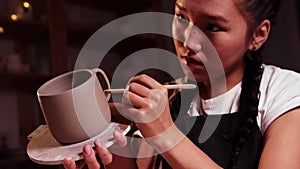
{"x": 260, "y": 35}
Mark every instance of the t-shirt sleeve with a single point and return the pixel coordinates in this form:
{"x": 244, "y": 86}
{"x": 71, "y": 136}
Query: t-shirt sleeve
{"x": 280, "y": 94}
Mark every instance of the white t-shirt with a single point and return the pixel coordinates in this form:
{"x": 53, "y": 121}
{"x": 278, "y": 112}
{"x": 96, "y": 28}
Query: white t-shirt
{"x": 280, "y": 92}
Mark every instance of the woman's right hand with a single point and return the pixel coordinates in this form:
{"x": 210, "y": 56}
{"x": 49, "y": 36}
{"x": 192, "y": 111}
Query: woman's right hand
{"x": 90, "y": 158}
{"x": 146, "y": 103}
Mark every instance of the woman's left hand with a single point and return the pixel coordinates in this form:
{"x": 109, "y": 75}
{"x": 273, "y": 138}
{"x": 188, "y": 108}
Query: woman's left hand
{"x": 146, "y": 103}
{"x": 90, "y": 158}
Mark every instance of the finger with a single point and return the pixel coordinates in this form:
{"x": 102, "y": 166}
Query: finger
{"x": 146, "y": 81}
{"x": 138, "y": 89}
{"x": 149, "y": 82}
{"x": 104, "y": 154}
{"x": 90, "y": 157}
{"x": 120, "y": 138}
{"x": 134, "y": 100}
{"x": 69, "y": 163}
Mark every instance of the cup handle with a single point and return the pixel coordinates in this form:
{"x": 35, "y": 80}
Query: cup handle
{"x": 97, "y": 70}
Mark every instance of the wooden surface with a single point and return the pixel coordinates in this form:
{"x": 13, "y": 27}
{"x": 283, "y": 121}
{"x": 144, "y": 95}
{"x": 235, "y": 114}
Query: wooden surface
{"x": 44, "y": 149}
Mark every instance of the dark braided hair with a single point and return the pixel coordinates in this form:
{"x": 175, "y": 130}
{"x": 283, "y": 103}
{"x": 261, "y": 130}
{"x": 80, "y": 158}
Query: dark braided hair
{"x": 254, "y": 12}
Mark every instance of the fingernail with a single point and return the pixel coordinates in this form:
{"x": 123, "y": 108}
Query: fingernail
{"x": 117, "y": 134}
{"x": 68, "y": 161}
{"x": 87, "y": 150}
{"x": 98, "y": 143}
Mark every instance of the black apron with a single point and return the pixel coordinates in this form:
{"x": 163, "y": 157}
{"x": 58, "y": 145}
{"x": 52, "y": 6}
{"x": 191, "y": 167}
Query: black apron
{"x": 221, "y": 146}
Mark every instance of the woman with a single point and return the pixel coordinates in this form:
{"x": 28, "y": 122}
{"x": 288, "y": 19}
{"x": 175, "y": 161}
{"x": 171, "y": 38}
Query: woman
{"x": 259, "y": 128}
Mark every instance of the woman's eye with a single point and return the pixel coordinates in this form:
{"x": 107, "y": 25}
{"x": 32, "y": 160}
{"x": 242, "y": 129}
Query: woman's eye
{"x": 181, "y": 19}
{"x": 213, "y": 28}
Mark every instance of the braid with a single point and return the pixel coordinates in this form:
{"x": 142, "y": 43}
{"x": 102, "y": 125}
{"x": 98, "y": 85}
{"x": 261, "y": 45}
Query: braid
{"x": 254, "y": 12}
{"x": 249, "y": 100}
{"x": 250, "y": 85}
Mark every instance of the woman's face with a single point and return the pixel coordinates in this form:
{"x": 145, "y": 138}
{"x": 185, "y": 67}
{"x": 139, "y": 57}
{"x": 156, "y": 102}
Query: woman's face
{"x": 224, "y": 26}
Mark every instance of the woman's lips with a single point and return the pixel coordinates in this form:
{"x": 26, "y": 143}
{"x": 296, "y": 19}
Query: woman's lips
{"x": 192, "y": 62}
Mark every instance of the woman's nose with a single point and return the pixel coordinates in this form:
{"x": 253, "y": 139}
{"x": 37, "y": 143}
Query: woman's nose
{"x": 192, "y": 38}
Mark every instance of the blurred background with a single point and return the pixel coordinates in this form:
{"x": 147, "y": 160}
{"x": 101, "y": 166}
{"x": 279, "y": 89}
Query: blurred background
{"x": 40, "y": 39}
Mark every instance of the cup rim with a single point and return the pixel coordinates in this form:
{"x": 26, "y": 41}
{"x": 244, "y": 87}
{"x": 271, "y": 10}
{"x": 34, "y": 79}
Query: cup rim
{"x": 40, "y": 93}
